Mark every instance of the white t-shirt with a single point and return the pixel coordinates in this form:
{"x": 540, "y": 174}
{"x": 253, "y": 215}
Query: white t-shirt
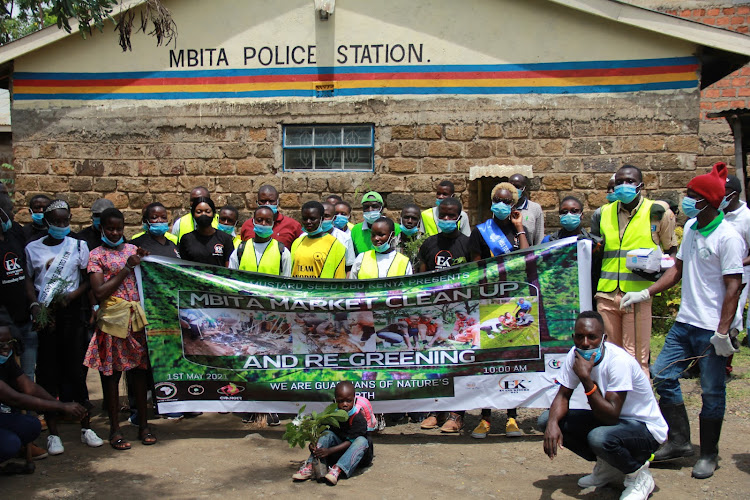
{"x": 618, "y": 371}
{"x": 39, "y": 256}
{"x": 740, "y": 221}
{"x": 286, "y": 258}
{"x": 346, "y": 239}
{"x": 383, "y": 260}
{"x": 705, "y": 261}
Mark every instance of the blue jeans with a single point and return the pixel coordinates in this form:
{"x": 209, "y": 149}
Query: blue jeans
{"x": 30, "y": 346}
{"x": 16, "y": 430}
{"x": 625, "y": 446}
{"x": 349, "y": 460}
{"x": 685, "y": 341}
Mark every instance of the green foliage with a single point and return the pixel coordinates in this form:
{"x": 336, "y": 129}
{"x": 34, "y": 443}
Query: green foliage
{"x": 6, "y": 177}
{"x": 308, "y": 428}
{"x": 410, "y": 248}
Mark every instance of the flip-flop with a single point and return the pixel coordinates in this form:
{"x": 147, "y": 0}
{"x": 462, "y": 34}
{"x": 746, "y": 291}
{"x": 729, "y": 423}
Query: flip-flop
{"x": 146, "y": 436}
{"x": 118, "y": 442}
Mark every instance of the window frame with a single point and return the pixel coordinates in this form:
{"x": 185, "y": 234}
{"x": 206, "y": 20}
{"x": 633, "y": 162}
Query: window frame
{"x": 313, "y": 147}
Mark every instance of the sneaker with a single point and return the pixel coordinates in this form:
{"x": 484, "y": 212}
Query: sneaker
{"x": 454, "y": 424}
{"x": 248, "y": 418}
{"x": 638, "y": 484}
{"x": 333, "y": 475}
{"x": 512, "y": 429}
{"x": 37, "y": 453}
{"x": 430, "y": 422}
{"x": 54, "y": 445}
{"x": 273, "y": 419}
{"x": 304, "y": 473}
{"x": 89, "y": 437}
{"x": 490, "y": 336}
{"x": 602, "y": 475}
{"x": 481, "y": 430}
{"x": 174, "y": 416}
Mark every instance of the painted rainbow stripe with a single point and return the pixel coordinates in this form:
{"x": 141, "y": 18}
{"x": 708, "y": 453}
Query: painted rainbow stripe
{"x": 539, "y": 78}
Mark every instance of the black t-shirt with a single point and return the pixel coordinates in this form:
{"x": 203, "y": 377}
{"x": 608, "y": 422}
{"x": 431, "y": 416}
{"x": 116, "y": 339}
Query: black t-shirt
{"x": 214, "y": 249}
{"x": 477, "y": 244}
{"x": 33, "y": 232}
{"x": 148, "y": 242}
{"x": 441, "y": 252}
{"x": 9, "y": 373}
{"x": 92, "y": 237}
{"x": 351, "y": 429}
{"x": 13, "y": 276}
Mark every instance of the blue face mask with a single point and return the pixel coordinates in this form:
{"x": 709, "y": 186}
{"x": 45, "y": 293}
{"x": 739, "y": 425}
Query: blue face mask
{"x": 7, "y": 224}
{"x": 407, "y": 231}
{"x": 597, "y": 353}
{"x": 626, "y": 192}
{"x": 317, "y": 231}
{"x": 96, "y": 222}
{"x": 385, "y": 247}
{"x": 570, "y": 221}
{"x": 688, "y": 207}
{"x": 274, "y": 208}
{"x": 438, "y": 201}
{"x": 37, "y": 218}
{"x": 340, "y": 221}
{"x": 110, "y": 243}
{"x": 4, "y": 359}
{"x": 520, "y": 192}
{"x": 447, "y": 226}
{"x": 263, "y": 231}
{"x": 501, "y": 210}
{"x": 611, "y": 197}
{"x": 58, "y": 233}
{"x": 725, "y": 202}
{"x": 352, "y": 411}
{"x": 226, "y": 228}
{"x": 158, "y": 228}
{"x": 371, "y": 216}
{"x": 326, "y": 225}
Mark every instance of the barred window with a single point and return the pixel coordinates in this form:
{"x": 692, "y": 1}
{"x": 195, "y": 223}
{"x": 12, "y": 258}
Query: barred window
{"x": 328, "y": 147}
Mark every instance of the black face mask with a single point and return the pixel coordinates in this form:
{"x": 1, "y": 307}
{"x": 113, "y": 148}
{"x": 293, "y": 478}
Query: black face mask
{"x": 204, "y": 220}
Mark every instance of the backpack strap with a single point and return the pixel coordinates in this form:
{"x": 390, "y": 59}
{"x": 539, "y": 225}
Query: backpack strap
{"x": 240, "y": 251}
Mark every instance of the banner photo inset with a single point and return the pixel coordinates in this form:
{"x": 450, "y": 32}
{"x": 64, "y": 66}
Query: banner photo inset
{"x": 488, "y": 334}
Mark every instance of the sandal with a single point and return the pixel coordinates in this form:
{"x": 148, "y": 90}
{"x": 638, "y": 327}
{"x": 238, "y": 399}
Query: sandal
{"x": 118, "y": 442}
{"x": 146, "y": 436}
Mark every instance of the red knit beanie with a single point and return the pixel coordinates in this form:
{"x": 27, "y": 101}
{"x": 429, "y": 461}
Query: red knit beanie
{"x": 712, "y": 185}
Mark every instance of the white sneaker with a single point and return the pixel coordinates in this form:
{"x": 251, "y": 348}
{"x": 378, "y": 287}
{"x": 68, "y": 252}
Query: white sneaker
{"x": 603, "y": 474}
{"x": 638, "y": 484}
{"x": 89, "y": 437}
{"x": 54, "y": 445}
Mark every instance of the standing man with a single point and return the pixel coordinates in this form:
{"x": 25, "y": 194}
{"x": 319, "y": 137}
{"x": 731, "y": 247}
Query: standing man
{"x": 531, "y": 212}
{"x": 709, "y": 263}
{"x": 631, "y": 222}
{"x": 623, "y": 427}
{"x": 329, "y": 215}
{"x": 737, "y": 214}
{"x": 36, "y": 228}
{"x": 429, "y": 225}
{"x": 92, "y": 234}
{"x": 317, "y": 254}
{"x": 372, "y": 210}
{"x": 186, "y": 223}
{"x": 285, "y": 229}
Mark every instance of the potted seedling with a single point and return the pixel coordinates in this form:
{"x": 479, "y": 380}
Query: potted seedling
{"x": 308, "y": 428}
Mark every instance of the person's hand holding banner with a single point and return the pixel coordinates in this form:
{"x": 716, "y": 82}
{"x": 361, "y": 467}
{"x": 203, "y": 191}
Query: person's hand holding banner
{"x": 632, "y": 298}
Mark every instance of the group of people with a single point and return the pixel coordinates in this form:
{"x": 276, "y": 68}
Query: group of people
{"x": 76, "y": 294}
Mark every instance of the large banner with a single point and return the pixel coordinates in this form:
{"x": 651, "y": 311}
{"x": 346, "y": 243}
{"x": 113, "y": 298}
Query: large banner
{"x": 488, "y": 334}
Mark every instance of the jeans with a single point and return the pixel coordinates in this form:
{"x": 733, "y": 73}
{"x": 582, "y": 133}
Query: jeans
{"x": 16, "y": 430}
{"x": 685, "y": 341}
{"x": 30, "y": 341}
{"x": 626, "y": 445}
{"x": 349, "y": 460}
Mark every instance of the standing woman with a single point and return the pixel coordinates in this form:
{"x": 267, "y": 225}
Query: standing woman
{"x": 57, "y": 263}
{"x": 119, "y": 342}
{"x": 206, "y": 244}
{"x": 156, "y": 238}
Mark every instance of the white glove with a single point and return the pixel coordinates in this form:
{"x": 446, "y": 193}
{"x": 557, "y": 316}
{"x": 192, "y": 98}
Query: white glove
{"x": 632, "y": 298}
{"x": 723, "y": 344}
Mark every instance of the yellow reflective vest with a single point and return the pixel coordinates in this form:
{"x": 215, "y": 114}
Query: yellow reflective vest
{"x": 369, "y": 267}
{"x": 335, "y": 257}
{"x": 171, "y": 237}
{"x": 270, "y": 261}
{"x": 429, "y": 223}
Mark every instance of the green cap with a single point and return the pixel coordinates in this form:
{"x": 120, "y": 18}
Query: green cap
{"x": 372, "y": 196}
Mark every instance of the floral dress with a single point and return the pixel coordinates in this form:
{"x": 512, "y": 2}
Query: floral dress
{"x": 107, "y": 353}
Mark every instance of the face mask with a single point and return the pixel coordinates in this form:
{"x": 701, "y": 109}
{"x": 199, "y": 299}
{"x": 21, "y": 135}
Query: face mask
{"x": 520, "y": 192}
{"x": 58, "y": 233}
{"x": 372, "y": 216}
{"x": 407, "y": 231}
{"x": 4, "y": 359}
{"x": 570, "y": 221}
{"x": 385, "y": 247}
{"x": 447, "y": 226}
{"x": 340, "y": 221}
{"x": 352, "y": 411}
{"x": 110, "y": 243}
{"x": 316, "y": 231}
{"x": 158, "y": 228}
{"x": 226, "y": 228}
{"x": 37, "y": 218}
{"x": 327, "y": 225}
{"x": 501, "y": 210}
{"x": 204, "y": 220}
{"x": 611, "y": 197}
{"x": 688, "y": 207}
{"x": 725, "y": 201}
{"x": 626, "y": 192}
{"x": 96, "y": 222}
{"x": 7, "y": 224}
{"x": 597, "y": 352}
{"x": 274, "y": 208}
{"x": 263, "y": 231}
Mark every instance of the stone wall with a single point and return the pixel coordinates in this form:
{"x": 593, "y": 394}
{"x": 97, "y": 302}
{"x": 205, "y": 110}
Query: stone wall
{"x": 135, "y": 154}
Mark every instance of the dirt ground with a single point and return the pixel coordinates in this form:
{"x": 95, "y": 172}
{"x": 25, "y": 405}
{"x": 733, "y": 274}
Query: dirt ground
{"x": 217, "y": 455}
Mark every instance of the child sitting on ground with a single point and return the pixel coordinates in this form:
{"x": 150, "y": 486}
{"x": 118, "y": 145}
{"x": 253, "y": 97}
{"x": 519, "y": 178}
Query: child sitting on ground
{"x": 349, "y": 446}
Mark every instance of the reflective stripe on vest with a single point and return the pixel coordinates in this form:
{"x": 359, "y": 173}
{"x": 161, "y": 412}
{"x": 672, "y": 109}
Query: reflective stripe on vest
{"x": 335, "y": 255}
{"x": 637, "y": 235}
{"x": 187, "y": 225}
{"x": 428, "y": 221}
{"x": 369, "y": 268}
{"x": 171, "y": 237}
{"x": 270, "y": 261}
